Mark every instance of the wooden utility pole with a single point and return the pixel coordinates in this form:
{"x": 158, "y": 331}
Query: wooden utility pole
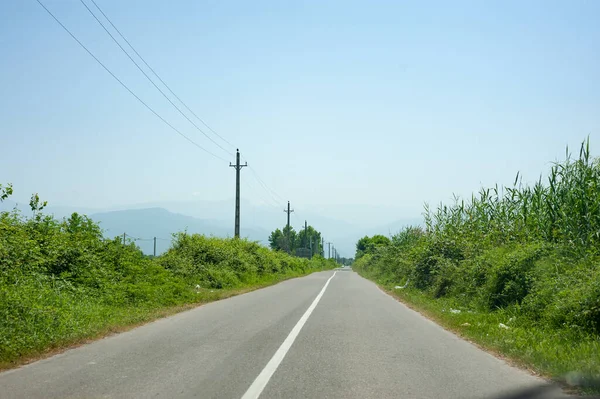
{"x": 288, "y": 211}
{"x": 305, "y": 233}
{"x": 238, "y": 167}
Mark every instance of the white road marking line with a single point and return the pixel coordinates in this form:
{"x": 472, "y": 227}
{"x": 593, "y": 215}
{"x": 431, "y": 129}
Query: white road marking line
{"x": 263, "y": 378}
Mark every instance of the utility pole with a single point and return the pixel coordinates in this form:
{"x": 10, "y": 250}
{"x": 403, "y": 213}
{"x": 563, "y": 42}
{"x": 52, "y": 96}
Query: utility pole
{"x": 322, "y": 247}
{"x": 311, "y": 248}
{"x": 238, "y": 168}
{"x": 305, "y": 231}
{"x": 124, "y": 235}
{"x": 328, "y": 250}
{"x": 155, "y": 247}
{"x": 288, "y": 211}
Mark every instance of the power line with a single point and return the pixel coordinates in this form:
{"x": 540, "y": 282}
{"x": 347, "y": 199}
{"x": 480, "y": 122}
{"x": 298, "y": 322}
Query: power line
{"x": 261, "y": 182}
{"x": 159, "y": 78}
{"x": 268, "y": 202}
{"x": 148, "y": 77}
{"x": 271, "y": 192}
{"x": 125, "y": 86}
{"x": 143, "y": 239}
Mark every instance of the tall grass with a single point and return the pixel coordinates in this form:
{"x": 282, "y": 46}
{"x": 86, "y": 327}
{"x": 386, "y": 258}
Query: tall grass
{"x": 530, "y": 252}
{"x": 565, "y": 210}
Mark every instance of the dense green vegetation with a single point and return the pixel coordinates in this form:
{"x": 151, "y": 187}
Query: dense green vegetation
{"x": 516, "y": 268}
{"x": 303, "y": 243}
{"x": 61, "y": 281}
{"x": 345, "y": 261}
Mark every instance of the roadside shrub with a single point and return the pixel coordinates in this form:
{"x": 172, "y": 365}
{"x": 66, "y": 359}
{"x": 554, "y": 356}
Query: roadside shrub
{"x": 531, "y": 249}
{"x": 567, "y": 298}
{"x": 509, "y": 278}
{"x": 61, "y": 280}
{"x": 424, "y": 270}
{"x": 225, "y": 263}
{"x": 444, "y": 277}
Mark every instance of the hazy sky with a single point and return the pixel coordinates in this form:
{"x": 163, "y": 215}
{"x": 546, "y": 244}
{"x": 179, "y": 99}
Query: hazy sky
{"x": 331, "y": 102}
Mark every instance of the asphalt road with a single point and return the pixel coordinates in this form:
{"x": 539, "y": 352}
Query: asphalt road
{"x": 314, "y": 337}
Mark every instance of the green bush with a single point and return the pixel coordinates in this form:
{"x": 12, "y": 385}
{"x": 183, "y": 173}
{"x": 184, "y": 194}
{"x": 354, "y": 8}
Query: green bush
{"x": 566, "y": 295}
{"x": 508, "y": 277}
{"x": 444, "y": 277}
{"x": 61, "y": 280}
{"x": 227, "y": 263}
{"x": 534, "y": 249}
{"x": 522, "y": 261}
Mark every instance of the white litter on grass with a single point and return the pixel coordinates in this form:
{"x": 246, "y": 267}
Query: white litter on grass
{"x": 512, "y": 319}
{"x": 501, "y": 325}
{"x": 465, "y": 324}
{"x": 454, "y": 311}
{"x": 399, "y": 287}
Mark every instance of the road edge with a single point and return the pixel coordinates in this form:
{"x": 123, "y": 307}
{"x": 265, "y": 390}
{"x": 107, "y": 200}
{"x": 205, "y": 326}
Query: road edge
{"x": 159, "y": 314}
{"x": 512, "y": 362}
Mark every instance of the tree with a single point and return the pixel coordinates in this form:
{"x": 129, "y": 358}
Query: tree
{"x": 36, "y": 204}
{"x": 379, "y": 241}
{"x": 289, "y": 240}
{"x": 361, "y": 246}
{"x": 308, "y": 235}
{"x": 5, "y": 191}
{"x": 290, "y": 236}
{"x": 346, "y": 261}
{"x": 368, "y": 245}
{"x": 276, "y": 240}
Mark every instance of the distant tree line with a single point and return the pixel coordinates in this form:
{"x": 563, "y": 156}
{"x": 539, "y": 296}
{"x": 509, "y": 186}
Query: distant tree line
{"x": 346, "y": 261}
{"x": 303, "y": 243}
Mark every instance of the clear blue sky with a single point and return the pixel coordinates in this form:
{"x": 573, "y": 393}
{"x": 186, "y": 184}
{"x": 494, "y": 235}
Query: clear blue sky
{"x": 378, "y": 102}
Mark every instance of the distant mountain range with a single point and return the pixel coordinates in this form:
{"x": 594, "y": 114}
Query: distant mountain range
{"x": 149, "y": 220}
